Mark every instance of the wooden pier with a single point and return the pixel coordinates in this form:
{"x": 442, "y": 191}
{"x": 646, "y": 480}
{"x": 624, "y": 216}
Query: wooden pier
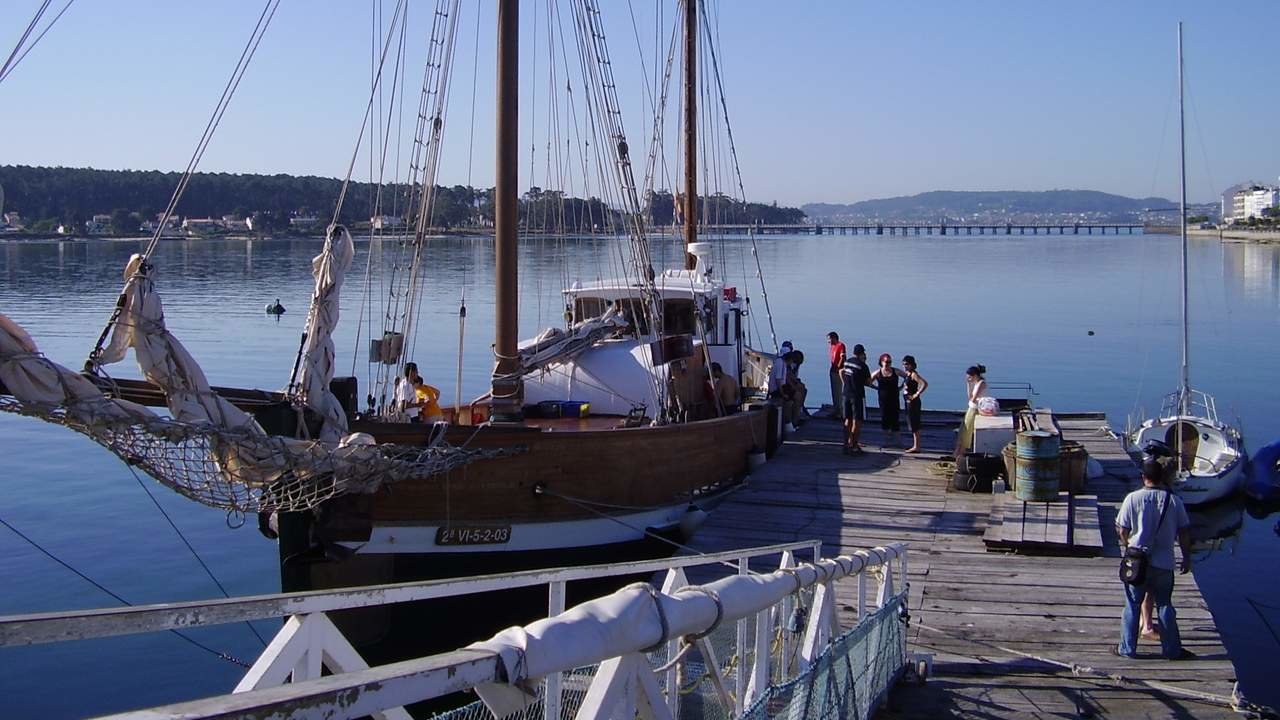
{"x": 970, "y": 607}
{"x": 926, "y": 228}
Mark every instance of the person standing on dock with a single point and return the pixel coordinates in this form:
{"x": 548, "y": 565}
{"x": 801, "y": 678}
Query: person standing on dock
{"x": 912, "y": 389}
{"x": 855, "y": 377}
{"x": 975, "y": 385}
{"x": 885, "y": 381}
{"x": 1152, "y": 518}
{"x": 837, "y": 363}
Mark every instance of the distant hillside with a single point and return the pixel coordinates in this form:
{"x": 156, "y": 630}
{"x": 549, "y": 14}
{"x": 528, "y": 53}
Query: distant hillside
{"x": 1006, "y": 205}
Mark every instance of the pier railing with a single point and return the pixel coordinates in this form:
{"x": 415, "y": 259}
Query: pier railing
{"x": 752, "y": 643}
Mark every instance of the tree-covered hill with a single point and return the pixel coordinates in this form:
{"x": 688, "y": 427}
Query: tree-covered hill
{"x": 951, "y": 204}
{"x": 50, "y": 196}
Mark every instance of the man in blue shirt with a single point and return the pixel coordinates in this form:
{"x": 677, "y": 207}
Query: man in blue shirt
{"x": 1139, "y": 524}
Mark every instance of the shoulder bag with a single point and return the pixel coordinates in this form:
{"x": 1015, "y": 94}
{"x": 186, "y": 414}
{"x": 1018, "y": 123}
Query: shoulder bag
{"x": 1133, "y": 564}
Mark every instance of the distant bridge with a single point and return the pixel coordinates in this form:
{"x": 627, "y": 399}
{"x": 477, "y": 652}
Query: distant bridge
{"x": 928, "y": 229}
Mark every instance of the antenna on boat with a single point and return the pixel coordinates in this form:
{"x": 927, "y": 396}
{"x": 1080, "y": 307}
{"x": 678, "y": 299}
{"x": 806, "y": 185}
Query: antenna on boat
{"x": 690, "y": 131}
{"x": 1184, "y": 390}
{"x": 507, "y": 385}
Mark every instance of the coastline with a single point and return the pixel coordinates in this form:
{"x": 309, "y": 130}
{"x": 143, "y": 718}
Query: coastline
{"x": 1231, "y": 235}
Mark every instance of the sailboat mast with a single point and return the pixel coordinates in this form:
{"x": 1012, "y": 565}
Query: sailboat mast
{"x": 507, "y": 386}
{"x": 1185, "y": 390}
{"x": 690, "y": 130}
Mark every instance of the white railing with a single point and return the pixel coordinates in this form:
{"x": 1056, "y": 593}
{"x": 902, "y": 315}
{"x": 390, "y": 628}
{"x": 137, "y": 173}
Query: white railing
{"x": 678, "y": 619}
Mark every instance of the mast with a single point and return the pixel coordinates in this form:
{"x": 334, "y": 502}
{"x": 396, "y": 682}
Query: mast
{"x": 507, "y": 386}
{"x": 690, "y": 130}
{"x": 1184, "y": 390}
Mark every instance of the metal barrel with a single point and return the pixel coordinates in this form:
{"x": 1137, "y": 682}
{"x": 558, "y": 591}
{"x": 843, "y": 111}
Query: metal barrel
{"x": 1038, "y": 466}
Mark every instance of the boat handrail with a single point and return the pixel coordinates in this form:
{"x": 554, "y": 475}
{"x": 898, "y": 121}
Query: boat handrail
{"x": 795, "y": 603}
{"x": 1199, "y": 404}
{"x": 39, "y": 628}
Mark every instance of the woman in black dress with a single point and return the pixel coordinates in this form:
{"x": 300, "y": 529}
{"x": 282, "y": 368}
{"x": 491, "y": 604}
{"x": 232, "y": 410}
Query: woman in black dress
{"x": 913, "y": 388}
{"x": 886, "y": 383}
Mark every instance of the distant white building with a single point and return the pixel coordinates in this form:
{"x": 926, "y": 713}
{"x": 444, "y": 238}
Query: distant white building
{"x": 235, "y": 224}
{"x": 1259, "y": 199}
{"x": 202, "y": 226}
{"x": 172, "y": 228}
{"x": 1242, "y": 202}
{"x": 99, "y": 225}
{"x": 387, "y": 222}
{"x": 303, "y": 222}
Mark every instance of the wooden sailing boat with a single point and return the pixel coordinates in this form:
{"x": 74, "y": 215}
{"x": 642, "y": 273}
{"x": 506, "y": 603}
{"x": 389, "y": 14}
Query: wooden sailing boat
{"x": 1209, "y": 452}
{"x": 370, "y": 500}
{"x": 599, "y": 487}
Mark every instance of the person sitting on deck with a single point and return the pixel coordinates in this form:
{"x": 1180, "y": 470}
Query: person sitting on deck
{"x": 689, "y": 389}
{"x": 428, "y": 401}
{"x": 405, "y": 397}
{"x": 726, "y": 390}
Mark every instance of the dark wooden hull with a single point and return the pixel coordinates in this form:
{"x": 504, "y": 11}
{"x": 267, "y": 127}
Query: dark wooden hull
{"x": 634, "y": 467}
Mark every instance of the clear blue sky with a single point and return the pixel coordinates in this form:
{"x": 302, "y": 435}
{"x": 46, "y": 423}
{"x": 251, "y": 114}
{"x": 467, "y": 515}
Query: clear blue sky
{"x": 829, "y": 101}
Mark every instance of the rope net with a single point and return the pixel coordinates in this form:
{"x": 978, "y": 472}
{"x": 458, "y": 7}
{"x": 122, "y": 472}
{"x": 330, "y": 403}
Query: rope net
{"x": 209, "y": 450}
{"x": 244, "y": 471}
{"x": 845, "y": 682}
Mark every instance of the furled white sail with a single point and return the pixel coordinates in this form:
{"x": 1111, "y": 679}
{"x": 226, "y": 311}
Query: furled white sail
{"x": 163, "y": 359}
{"x": 329, "y": 269}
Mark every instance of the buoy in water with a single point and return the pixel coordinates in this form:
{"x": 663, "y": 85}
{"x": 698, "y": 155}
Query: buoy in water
{"x": 275, "y": 308}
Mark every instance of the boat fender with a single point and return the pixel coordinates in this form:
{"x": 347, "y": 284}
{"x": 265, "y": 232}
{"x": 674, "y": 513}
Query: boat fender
{"x": 1262, "y": 478}
{"x": 694, "y": 517}
{"x": 756, "y": 458}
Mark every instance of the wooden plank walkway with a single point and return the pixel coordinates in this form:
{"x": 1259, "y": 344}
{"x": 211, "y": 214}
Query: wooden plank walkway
{"x": 1060, "y": 608}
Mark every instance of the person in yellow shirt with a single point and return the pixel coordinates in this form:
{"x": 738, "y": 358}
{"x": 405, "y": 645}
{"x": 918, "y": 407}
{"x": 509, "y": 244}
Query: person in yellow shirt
{"x": 428, "y": 402}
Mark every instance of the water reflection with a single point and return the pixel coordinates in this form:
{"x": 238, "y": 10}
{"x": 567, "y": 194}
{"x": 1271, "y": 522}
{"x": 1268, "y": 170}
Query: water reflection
{"x": 1216, "y": 528}
{"x": 1254, "y": 270}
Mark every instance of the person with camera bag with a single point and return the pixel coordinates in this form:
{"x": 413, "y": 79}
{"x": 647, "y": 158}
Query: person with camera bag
{"x": 1150, "y": 520}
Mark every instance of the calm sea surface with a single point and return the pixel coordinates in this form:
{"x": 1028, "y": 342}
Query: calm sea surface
{"x": 1090, "y": 321}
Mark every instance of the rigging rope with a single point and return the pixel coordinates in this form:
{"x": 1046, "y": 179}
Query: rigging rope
{"x": 242, "y": 66}
{"x": 225, "y": 656}
{"x": 11, "y": 63}
{"x": 192, "y": 550}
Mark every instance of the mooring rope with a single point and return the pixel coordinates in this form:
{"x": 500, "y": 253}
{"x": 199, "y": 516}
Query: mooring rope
{"x": 1235, "y": 702}
{"x": 225, "y": 656}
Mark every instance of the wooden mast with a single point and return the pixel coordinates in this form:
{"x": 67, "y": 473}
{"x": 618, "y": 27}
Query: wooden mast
{"x": 507, "y": 386}
{"x": 690, "y": 130}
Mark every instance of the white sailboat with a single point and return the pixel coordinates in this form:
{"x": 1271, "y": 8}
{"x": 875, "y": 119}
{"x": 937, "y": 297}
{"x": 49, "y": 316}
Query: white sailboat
{"x": 1209, "y": 452}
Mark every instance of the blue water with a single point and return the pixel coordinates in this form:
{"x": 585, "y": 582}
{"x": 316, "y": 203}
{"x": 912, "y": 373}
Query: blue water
{"x": 1023, "y": 306}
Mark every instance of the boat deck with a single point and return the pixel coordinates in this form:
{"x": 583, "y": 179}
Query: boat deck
{"x": 971, "y": 607}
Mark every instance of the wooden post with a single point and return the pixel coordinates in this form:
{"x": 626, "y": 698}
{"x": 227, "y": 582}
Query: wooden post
{"x": 508, "y": 388}
{"x": 690, "y": 130}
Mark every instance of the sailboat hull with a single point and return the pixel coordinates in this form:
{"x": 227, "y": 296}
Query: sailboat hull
{"x": 1213, "y": 459}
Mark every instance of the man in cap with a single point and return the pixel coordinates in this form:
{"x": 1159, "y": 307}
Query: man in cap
{"x": 1153, "y": 518}
{"x": 855, "y": 377}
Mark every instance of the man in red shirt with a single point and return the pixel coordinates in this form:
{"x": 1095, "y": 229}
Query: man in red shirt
{"x": 837, "y": 361}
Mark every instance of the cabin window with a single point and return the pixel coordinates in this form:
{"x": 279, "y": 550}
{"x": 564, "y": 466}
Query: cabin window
{"x": 585, "y": 308}
{"x": 678, "y": 319}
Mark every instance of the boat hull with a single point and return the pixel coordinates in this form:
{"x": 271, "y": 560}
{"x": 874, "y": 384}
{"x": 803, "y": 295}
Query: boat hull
{"x": 1214, "y": 460}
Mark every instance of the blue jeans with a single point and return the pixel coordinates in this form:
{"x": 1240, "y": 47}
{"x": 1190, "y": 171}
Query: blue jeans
{"x": 1160, "y": 585}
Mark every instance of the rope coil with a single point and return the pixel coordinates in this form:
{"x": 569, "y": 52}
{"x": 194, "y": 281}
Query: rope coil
{"x": 719, "y": 610}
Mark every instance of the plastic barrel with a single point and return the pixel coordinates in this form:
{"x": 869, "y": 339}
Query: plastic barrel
{"x": 1038, "y": 466}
